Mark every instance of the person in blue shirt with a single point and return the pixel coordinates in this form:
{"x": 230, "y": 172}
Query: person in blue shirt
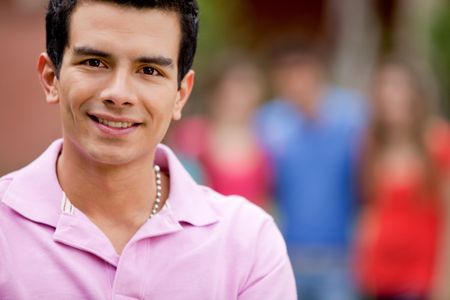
{"x": 310, "y": 131}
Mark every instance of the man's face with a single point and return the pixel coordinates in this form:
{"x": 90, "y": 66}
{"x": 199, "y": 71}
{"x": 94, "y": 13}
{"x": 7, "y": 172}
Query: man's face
{"x": 118, "y": 88}
{"x": 298, "y": 79}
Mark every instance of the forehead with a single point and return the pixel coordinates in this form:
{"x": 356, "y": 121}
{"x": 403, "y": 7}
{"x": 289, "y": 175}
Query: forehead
{"x": 112, "y": 27}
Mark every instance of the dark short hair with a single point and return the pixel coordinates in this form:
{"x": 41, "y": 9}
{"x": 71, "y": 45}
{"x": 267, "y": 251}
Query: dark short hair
{"x": 58, "y": 23}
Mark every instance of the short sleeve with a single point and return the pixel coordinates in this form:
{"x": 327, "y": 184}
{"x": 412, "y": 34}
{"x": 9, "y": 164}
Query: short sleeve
{"x": 4, "y": 183}
{"x": 271, "y": 275}
{"x": 3, "y": 269}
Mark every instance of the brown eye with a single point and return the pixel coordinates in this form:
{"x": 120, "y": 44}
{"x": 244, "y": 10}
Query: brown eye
{"x": 150, "y": 71}
{"x": 96, "y": 63}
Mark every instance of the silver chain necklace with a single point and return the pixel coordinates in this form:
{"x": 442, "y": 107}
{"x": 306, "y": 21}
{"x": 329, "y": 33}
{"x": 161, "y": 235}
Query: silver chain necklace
{"x": 158, "y": 182}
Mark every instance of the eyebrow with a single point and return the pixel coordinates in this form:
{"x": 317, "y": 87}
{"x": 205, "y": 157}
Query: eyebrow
{"x": 157, "y": 60}
{"x": 86, "y": 51}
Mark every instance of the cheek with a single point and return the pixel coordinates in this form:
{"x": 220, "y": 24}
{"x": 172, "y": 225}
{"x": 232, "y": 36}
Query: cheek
{"x": 73, "y": 95}
{"x": 75, "y": 88}
{"x": 160, "y": 104}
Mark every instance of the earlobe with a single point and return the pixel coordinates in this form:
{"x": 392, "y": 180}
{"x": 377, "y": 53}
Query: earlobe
{"x": 183, "y": 94}
{"x": 48, "y": 79}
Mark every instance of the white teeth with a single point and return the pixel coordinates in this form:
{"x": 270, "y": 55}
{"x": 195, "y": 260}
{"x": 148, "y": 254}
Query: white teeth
{"x": 115, "y": 124}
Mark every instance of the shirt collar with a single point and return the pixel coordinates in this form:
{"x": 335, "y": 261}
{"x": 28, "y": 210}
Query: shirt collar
{"x": 188, "y": 200}
{"x": 35, "y": 193}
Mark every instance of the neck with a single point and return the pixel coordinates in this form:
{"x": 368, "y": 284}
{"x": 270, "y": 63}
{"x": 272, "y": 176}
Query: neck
{"x": 221, "y": 119}
{"x": 124, "y": 194}
{"x": 308, "y": 102}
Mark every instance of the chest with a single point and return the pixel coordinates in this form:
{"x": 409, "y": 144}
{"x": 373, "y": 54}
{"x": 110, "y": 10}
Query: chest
{"x": 172, "y": 265}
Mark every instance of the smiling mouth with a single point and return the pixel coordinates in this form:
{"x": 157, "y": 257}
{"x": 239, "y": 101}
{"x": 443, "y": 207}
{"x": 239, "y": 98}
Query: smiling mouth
{"x": 113, "y": 124}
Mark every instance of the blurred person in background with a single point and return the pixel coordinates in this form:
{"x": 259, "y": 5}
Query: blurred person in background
{"x": 233, "y": 159}
{"x": 405, "y": 167}
{"x": 310, "y": 130}
{"x": 224, "y": 142}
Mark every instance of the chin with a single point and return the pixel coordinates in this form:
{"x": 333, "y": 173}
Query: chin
{"x": 108, "y": 154}
{"x": 94, "y": 150}
{"x": 112, "y": 159}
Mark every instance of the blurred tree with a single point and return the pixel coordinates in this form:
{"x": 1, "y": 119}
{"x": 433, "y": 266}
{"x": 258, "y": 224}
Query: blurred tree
{"x": 217, "y": 32}
{"x": 217, "y": 28}
{"x": 440, "y": 50}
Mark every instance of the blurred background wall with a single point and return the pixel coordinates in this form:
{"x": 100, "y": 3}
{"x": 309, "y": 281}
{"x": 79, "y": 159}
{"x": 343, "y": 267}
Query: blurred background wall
{"x": 27, "y": 123}
{"x": 352, "y": 33}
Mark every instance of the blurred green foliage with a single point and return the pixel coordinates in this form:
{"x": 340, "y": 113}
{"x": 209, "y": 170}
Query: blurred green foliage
{"x": 218, "y": 31}
{"x": 216, "y": 28}
{"x": 440, "y": 50}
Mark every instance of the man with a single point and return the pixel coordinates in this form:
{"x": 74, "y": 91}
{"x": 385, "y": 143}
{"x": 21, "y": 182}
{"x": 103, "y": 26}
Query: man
{"x": 309, "y": 131}
{"x": 106, "y": 212}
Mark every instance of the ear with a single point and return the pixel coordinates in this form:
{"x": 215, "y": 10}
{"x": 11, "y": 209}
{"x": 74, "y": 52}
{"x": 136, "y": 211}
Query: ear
{"x": 183, "y": 94}
{"x": 48, "y": 79}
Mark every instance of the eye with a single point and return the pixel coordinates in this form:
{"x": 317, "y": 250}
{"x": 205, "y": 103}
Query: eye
{"x": 93, "y": 62}
{"x": 150, "y": 71}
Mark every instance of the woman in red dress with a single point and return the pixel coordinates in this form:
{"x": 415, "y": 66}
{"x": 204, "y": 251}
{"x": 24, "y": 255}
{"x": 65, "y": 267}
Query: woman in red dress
{"x": 232, "y": 158}
{"x": 224, "y": 143}
{"x": 404, "y": 170}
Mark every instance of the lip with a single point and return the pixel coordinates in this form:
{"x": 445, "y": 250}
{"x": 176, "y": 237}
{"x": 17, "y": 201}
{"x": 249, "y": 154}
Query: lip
{"x": 113, "y": 131}
{"x": 113, "y": 118}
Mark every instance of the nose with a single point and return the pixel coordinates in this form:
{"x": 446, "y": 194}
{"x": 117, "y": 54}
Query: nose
{"x": 119, "y": 91}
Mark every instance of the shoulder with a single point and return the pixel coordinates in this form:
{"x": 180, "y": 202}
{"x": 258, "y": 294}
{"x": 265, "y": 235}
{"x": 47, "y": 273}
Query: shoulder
{"x": 438, "y": 140}
{"x": 256, "y": 247}
{"x": 35, "y": 174}
{"x": 276, "y": 123}
{"x": 242, "y": 221}
{"x": 233, "y": 206}
{"x": 275, "y": 108}
{"x": 346, "y": 100}
{"x": 346, "y": 109}
{"x": 5, "y": 182}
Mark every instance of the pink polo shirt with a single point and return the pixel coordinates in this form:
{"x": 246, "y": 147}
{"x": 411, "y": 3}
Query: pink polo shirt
{"x": 202, "y": 245}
